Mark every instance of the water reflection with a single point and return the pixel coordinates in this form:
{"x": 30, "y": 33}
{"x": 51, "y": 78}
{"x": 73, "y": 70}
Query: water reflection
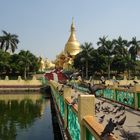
{"x": 19, "y": 113}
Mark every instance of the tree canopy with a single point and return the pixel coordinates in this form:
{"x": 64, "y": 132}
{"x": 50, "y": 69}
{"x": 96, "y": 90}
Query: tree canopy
{"x": 111, "y": 57}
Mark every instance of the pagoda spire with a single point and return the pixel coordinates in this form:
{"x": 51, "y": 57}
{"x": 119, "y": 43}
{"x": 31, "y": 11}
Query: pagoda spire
{"x": 72, "y": 35}
{"x": 72, "y": 26}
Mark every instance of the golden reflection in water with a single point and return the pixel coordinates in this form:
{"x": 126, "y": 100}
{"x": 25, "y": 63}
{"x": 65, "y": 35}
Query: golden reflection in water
{"x": 34, "y": 97}
{"x": 19, "y": 110}
{"x": 20, "y": 97}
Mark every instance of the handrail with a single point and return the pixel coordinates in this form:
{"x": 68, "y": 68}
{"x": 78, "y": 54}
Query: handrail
{"x": 89, "y": 121}
{"x": 74, "y": 107}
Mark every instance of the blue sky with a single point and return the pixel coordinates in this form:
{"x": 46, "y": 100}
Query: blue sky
{"x": 43, "y": 25}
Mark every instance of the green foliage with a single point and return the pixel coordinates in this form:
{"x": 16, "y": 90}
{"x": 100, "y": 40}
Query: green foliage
{"x": 85, "y": 57}
{"x": 111, "y": 57}
{"x": 4, "y": 62}
{"x": 28, "y": 62}
{"x": 8, "y": 41}
{"x": 22, "y": 63}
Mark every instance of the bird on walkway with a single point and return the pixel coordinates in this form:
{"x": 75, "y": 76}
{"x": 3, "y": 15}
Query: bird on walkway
{"x": 106, "y": 109}
{"x": 94, "y": 88}
{"x": 115, "y": 111}
{"x": 101, "y": 119}
{"x": 122, "y": 113}
{"x": 121, "y": 122}
{"x": 120, "y": 108}
{"x": 103, "y": 102}
{"x": 135, "y": 82}
{"x": 109, "y": 128}
{"x": 115, "y": 106}
{"x": 117, "y": 117}
{"x": 97, "y": 108}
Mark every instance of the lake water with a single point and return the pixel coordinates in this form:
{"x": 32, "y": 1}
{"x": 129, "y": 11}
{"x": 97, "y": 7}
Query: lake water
{"x": 25, "y": 117}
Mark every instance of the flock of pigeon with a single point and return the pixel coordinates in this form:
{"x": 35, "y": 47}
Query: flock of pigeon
{"x": 117, "y": 113}
{"x": 116, "y": 121}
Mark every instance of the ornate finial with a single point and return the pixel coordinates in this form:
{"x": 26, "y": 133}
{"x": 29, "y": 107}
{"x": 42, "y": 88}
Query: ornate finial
{"x": 72, "y": 25}
{"x": 73, "y": 20}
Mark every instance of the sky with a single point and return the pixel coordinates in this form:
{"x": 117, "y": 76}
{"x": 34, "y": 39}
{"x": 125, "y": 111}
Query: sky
{"x": 43, "y": 26}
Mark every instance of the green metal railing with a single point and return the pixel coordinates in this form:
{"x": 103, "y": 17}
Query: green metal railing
{"x": 44, "y": 81}
{"x": 89, "y": 136}
{"x": 99, "y": 92}
{"x": 138, "y": 94}
{"x": 62, "y": 106}
{"x": 108, "y": 93}
{"x": 78, "y": 87}
{"x": 125, "y": 97}
{"x": 121, "y": 96}
{"x": 73, "y": 124}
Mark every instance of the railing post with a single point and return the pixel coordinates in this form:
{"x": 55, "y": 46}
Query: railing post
{"x": 86, "y": 107}
{"x": 115, "y": 86}
{"x": 66, "y": 94}
{"x": 6, "y": 78}
{"x": 136, "y": 89}
{"x": 135, "y": 100}
{"x": 19, "y": 78}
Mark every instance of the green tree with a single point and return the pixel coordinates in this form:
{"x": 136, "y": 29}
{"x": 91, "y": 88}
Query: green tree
{"x": 134, "y": 48}
{"x": 14, "y": 66}
{"x": 106, "y": 47}
{"x": 28, "y": 62}
{"x": 4, "y": 62}
{"x": 134, "y": 45}
{"x": 8, "y": 41}
{"x": 121, "y": 46}
{"x": 120, "y": 60}
{"x": 86, "y": 55}
{"x": 25, "y": 61}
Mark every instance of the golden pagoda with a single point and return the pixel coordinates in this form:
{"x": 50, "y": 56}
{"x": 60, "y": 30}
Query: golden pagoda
{"x": 65, "y": 59}
{"x": 49, "y": 64}
{"x": 72, "y": 46}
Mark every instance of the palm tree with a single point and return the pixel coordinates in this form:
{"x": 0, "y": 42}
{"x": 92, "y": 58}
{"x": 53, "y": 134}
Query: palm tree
{"x": 86, "y": 55}
{"x": 120, "y": 46}
{"x": 122, "y": 54}
{"x": 134, "y": 48}
{"x": 25, "y": 61}
{"x": 107, "y": 48}
{"x": 9, "y": 41}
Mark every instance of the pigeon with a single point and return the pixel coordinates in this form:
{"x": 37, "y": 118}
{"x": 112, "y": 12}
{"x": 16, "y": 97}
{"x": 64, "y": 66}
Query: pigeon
{"x": 101, "y": 119}
{"x": 122, "y": 121}
{"x": 94, "y": 88}
{"x": 97, "y": 108}
{"x": 103, "y": 102}
{"x": 109, "y": 128}
{"x": 122, "y": 113}
{"x": 135, "y": 82}
{"x": 117, "y": 117}
{"x": 114, "y": 112}
{"x": 115, "y": 106}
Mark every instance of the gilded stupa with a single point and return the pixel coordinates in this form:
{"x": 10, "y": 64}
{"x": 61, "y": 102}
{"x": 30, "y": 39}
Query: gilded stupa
{"x": 65, "y": 59}
{"x": 72, "y": 46}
